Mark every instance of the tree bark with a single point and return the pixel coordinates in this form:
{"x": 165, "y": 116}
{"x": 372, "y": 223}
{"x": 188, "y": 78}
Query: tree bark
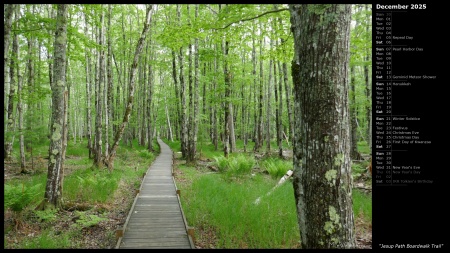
{"x": 98, "y": 147}
{"x": 9, "y": 9}
{"x": 354, "y": 154}
{"x": 53, "y": 190}
{"x": 109, "y": 160}
{"x": 228, "y": 115}
{"x": 88, "y": 93}
{"x": 322, "y": 179}
{"x": 9, "y": 137}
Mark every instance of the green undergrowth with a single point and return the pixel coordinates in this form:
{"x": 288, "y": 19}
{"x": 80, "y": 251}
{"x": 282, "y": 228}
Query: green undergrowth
{"x": 83, "y": 185}
{"x": 224, "y": 203}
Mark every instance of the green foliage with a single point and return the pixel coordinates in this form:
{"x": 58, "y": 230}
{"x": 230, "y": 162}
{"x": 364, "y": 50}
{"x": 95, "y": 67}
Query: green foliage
{"x": 221, "y": 163}
{"x": 18, "y": 197}
{"x": 47, "y": 215}
{"x": 276, "y": 167}
{"x": 145, "y": 154}
{"x": 241, "y": 165}
{"x": 91, "y": 185}
{"x": 214, "y": 203}
{"x": 235, "y": 165}
{"x": 362, "y": 205}
{"x": 49, "y": 240}
{"x": 87, "y": 220}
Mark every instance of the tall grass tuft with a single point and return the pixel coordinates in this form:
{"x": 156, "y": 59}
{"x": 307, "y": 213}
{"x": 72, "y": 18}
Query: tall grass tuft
{"x": 276, "y": 167}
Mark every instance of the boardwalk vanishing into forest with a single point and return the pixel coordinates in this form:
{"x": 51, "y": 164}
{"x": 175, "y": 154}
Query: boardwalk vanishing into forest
{"x": 156, "y": 219}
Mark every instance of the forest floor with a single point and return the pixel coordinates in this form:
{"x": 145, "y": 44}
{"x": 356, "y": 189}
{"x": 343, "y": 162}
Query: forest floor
{"x": 102, "y": 235}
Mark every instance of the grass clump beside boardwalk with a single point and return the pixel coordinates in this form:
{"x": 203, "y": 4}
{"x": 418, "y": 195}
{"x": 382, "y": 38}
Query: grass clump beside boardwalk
{"x": 94, "y": 202}
{"x": 221, "y": 205}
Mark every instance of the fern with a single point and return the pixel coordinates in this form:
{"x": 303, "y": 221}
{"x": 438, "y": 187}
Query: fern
{"x": 18, "y": 197}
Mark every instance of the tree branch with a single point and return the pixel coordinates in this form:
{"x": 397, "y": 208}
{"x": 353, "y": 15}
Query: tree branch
{"x": 248, "y": 19}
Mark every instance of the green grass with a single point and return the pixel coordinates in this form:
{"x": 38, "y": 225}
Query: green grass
{"x": 226, "y": 205}
{"x": 362, "y": 205}
{"x": 48, "y": 240}
{"x": 363, "y": 147}
{"x": 230, "y": 209}
{"x": 276, "y": 167}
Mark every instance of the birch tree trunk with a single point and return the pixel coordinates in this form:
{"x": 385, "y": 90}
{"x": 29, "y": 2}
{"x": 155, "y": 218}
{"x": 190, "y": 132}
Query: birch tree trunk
{"x": 98, "y": 147}
{"x": 109, "y": 160}
{"x": 322, "y": 179}
{"x": 88, "y": 92}
{"x": 9, "y": 131}
{"x": 53, "y": 190}
{"x": 9, "y": 9}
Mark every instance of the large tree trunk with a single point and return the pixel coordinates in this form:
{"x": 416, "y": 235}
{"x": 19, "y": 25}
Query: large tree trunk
{"x": 322, "y": 179}
{"x": 109, "y": 160}
{"x": 53, "y": 190}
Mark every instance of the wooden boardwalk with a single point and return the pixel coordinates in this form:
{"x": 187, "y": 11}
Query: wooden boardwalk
{"x": 156, "y": 219}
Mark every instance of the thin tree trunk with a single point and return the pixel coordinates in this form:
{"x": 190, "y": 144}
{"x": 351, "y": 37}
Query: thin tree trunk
{"x": 20, "y": 112}
{"x": 109, "y": 160}
{"x": 88, "y": 92}
{"x": 353, "y": 126}
{"x": 177, "y": 95}
{"x": 288, "y": 102}
{"x": 184, "y": 135}
{"x": 9, "y": 9}
{"x": 109, "y": 86}
{"x": 98, "y": 97}
{"x": 149, "y": 103}
{"x": 268, "y": 107}
{"x": 259, "y": 138}
{"x": 9, "y": 137}
{"x": 278, "y": 109}
{"x": 228, "y": 115}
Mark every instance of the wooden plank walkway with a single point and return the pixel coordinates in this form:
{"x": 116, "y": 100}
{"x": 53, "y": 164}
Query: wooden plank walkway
{"x": 156, "y": 219}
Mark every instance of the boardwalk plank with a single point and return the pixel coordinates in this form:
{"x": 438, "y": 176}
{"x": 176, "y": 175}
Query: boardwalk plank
{"x": 156, "y": 219}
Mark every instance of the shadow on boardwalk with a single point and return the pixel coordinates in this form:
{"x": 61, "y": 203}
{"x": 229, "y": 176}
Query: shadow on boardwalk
{"x": 156, "y": 219}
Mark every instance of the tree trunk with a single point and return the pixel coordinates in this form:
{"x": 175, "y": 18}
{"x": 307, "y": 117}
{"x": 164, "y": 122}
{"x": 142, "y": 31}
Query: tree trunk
{"x": 268, "y": 107}
{"x": 8, "y": 11}
{"x": 149, "y": 105}
{"x": 53, "y": 190}
{"x": 109, "y": 86}
{"x": 9, "y": 137}
{"x": 354, "y": 154}
{"x": 109, "y": 160}
{"x": 368, "y": 95}
{"x": 279, "y": 109}
{"x": 322, "y": 179}
{"x": 20, "y": 112}
{"x": 88, "y": 93}
{"x": 259, "y": 137}
{"x": 98, "y": 97}
{"x": 228, "y": 115}
{"x": 177, "y": 123}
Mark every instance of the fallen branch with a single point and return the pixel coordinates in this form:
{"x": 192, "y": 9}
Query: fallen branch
{"x": 282, "y": 180}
